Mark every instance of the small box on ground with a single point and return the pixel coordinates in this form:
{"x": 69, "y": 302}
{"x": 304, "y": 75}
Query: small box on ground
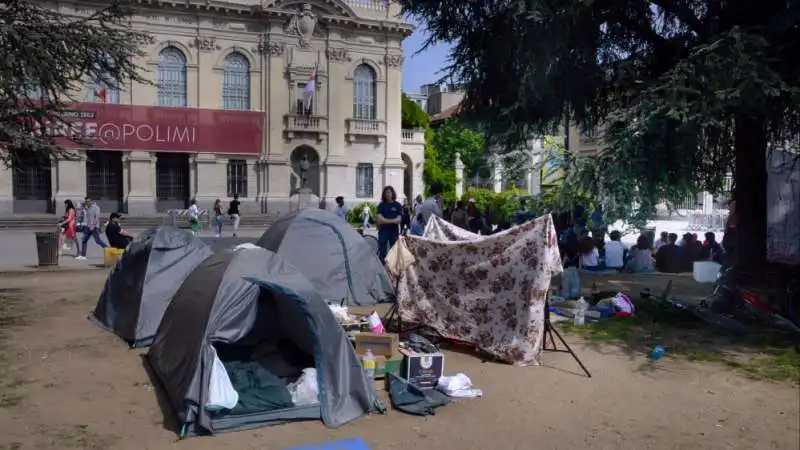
{"x": 423, "y": 370}
{"x": 384, "y": 365}
{"x": 385, "y": 344}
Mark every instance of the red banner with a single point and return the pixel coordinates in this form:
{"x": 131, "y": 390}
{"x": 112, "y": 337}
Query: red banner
{"x": 161, "y": 129}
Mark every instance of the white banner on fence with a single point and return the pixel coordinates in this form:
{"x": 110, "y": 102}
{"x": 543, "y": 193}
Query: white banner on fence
{"x": 783, "y": 208}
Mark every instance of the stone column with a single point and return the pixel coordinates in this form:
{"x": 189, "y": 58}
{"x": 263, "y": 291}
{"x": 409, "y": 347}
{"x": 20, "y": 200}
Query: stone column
{"x": 139, "y": 173}
{"x": 70, "y": 177}
{"x": 6, "y": 190}
{"x": 211, "y": 175}
{"x": 459, "y": 176}
{"x": 498, "y": 176}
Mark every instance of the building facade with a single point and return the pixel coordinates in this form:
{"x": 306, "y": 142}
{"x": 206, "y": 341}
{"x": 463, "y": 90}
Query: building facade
{"x": 229, "y": 112}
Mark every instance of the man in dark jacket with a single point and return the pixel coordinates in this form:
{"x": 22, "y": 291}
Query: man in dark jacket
{"x": 669, "y": 258}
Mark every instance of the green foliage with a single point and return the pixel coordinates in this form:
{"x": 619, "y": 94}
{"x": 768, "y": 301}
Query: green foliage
{"x": 412, "y": 115}
{"x": 686, "y": 91}
{"x": 501, "y": 204}
{"x": 436, "y": 172}
{"x": 452, "y": 137}
{"x": 355, "y": 215}
{"x": 47, "y": 57}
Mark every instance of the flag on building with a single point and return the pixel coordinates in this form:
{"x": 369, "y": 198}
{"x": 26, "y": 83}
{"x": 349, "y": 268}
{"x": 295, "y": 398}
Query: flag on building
{"x": 309, "y": 90}
{"x": 101, "y": 94}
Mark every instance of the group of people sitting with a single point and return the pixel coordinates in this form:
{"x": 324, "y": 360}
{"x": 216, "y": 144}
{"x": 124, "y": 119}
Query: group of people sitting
{"x": 668, "y": 254}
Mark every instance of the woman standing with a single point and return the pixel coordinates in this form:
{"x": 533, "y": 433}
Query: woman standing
{"x": 390, "y": 214}
{"x": 219, "y": 218}
{"x": 69, "y": 225}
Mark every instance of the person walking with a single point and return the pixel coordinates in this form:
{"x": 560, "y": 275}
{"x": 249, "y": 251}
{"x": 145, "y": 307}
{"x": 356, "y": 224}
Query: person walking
{"x": 233, "y": 213}
{"x": 341, "y": 210}
{"x": 194, "y": 216}
{"x": 432, "y": 206}
{"x": 219, "y": 217}
{"x": 91, "y": 214}
{"x": 70, "y": 227}
{"x": 366, "y": 216}
{"x": 390, "y": 215}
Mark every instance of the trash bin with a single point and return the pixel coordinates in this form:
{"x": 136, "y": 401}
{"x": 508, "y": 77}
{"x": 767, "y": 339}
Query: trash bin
{"x": 47, "y": 248}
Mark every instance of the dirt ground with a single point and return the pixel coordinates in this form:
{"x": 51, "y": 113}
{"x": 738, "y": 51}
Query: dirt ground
{"x": 65, "y": 384}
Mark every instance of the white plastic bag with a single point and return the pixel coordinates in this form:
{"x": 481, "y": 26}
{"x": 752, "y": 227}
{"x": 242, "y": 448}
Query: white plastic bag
{"x": 221, "y": 394}
{"x": 458, "y": 385}
{"x": 305, "y": 390}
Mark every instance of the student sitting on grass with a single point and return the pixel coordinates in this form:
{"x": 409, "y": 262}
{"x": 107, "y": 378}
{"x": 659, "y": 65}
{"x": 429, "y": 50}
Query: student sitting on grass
{"x": 640, "y": 257}
{"x": 590, "y": 257}
{"x": 615, "y": 251}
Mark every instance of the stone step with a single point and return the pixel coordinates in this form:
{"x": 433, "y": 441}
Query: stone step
{"x": 48, "y": 221}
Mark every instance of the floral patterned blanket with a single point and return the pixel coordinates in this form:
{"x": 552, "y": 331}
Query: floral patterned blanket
{"x": 489, "y": 291}
{"x": 439, "y": 229}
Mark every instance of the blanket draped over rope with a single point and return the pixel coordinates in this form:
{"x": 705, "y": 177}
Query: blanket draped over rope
{"x": 488, "y": 291}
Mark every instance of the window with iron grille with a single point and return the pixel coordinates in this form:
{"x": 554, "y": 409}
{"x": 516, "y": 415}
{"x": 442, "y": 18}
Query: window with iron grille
{"x": 364, "y": 180}
{"x": 236, "y": 82}
{"x": 237, "y": 177}
{"x": 364, "y": 93}
{"x": 171, "y": 77}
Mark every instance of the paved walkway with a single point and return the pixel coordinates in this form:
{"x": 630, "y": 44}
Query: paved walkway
{"x": 18, "y": 249}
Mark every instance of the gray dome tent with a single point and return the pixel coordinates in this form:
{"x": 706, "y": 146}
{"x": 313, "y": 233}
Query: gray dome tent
{"x": 253, "y": 312}
{"x": 331, "y": 254}
{"x": 142, "y": 283}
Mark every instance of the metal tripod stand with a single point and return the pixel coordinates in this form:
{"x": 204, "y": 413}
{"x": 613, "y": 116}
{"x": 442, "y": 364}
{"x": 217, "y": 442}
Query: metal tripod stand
{"x": 549, "y": 331}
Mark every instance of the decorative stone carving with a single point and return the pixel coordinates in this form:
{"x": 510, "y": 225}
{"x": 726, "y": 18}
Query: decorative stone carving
{"x": 270, "y": 48}
{"x": 206, "y": 44}
{"x": 394, "y": 60}
{"x": 340, "y": 55}
{"x": 303, "y": 25}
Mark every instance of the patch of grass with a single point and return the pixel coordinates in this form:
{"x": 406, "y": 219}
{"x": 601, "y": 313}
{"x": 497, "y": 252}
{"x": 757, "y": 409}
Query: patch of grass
{"x": 762, "y": 355}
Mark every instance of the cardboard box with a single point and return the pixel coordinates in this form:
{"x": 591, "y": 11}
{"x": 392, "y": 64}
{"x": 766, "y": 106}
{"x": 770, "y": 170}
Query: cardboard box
{"x": 386, "y": 344}
{"x": 423, "y": 370}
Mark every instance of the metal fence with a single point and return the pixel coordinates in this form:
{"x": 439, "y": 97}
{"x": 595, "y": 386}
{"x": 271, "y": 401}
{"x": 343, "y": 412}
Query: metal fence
{"x": 700, "y": 221}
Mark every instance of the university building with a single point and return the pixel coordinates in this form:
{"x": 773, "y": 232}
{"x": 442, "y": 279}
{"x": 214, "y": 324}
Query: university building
{"x": 226, "y": 112}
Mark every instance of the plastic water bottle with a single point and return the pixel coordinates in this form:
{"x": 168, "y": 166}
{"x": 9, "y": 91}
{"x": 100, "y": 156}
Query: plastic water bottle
{"x": 580, "y": 312}
{"x": 657, "y": 352}
{"x": 368, "y": 361}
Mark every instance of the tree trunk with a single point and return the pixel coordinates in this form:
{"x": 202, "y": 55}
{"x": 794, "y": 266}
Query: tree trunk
{"x": 750, "y": 176}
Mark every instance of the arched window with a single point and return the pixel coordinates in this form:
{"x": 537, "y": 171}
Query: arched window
{"x": 364, "y": 93}
{"x": 236, "y": 82}
{"x": 171, "y": 77}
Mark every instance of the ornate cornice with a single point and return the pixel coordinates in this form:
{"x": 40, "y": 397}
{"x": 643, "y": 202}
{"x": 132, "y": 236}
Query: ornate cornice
{"x": 328, "y": 12}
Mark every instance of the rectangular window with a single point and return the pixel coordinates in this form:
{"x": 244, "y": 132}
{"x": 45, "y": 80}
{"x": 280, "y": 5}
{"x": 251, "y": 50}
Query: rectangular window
{"x": 237, "y": 177}
{"x": 300, "y": 107}
{"x": 364, "y": 180}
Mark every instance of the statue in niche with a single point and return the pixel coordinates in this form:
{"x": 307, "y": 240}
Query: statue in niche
{"x": 303, "y": 25}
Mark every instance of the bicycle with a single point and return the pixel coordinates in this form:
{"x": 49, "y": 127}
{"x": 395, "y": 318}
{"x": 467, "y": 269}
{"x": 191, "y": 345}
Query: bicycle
{"x": 745, "y": 304}
{"x": 701, "y": 312}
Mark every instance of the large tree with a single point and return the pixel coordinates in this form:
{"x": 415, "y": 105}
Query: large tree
{"x": 47, "y": 57}
{"x": 686, "y": 90}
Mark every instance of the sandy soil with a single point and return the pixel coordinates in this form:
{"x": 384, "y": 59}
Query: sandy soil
{"x": 64, "y": 383}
